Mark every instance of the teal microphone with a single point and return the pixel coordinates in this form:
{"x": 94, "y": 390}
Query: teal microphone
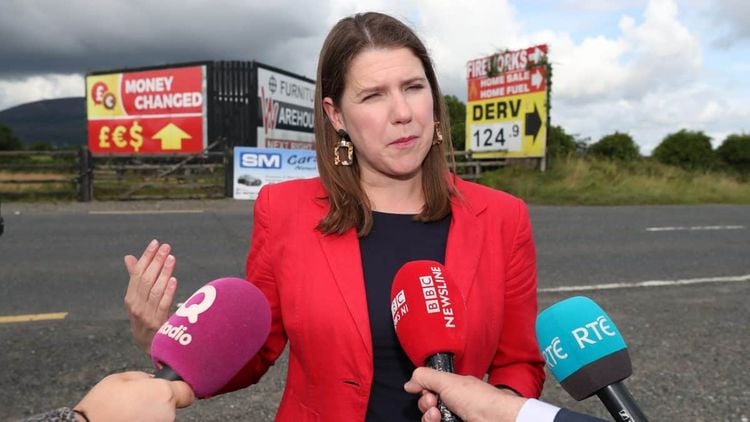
{"x": 587, "y": 355}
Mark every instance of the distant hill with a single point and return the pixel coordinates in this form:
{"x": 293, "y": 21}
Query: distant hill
{"x": 60, "y": 122}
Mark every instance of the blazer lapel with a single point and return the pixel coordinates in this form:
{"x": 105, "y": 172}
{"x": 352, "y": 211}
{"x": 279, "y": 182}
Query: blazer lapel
{"x": 345, "y": 262}
{"x": 465, "y": 237}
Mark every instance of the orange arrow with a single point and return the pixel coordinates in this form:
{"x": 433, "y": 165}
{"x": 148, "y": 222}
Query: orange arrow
{"x": 171, "y": 137}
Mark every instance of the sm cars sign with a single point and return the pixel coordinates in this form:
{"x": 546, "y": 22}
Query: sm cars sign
{"x": 255, "y": 167}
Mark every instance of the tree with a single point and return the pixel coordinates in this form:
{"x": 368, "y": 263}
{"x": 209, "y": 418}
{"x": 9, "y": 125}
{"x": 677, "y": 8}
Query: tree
{"x": 735, "y": 152}
{"x": 457, "y": 115}
{"x": 40, "y": 146}
{"x": 8, "y": 141}
{"x": 690, "y": 150}
{"x": 559, "y": 143}
{"x": 616, "y": 146}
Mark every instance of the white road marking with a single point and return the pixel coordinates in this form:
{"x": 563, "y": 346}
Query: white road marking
{"x": 676, "y": 228}
{"x": 145, "y": 212}
{"x": 649, "y": 283}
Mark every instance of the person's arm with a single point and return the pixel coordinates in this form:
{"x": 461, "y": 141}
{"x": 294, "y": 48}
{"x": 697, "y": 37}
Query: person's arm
{"x": 150, "y": 293}
{"x": 473, "y": 400}
{"x": 468, "y": 397}
{"x": 128, "y": 396}
{"x": 518, "y": 364}
{"x": 259, "y": 271}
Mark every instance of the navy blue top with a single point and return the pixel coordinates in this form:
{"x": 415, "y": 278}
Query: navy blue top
{"x": 394, "y": 240}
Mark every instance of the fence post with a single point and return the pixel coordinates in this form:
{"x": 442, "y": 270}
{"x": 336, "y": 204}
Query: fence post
{"x": 85, "y": 175}
{"x": 228, "y": 171}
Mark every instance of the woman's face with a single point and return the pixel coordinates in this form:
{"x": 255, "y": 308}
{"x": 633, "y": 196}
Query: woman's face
{"x": 387, "y": 110}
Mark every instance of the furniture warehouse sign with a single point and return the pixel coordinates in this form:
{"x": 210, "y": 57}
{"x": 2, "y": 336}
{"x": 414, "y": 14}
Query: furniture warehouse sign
{"x": 286, "y": 104}
{"x": 507, "y": 104}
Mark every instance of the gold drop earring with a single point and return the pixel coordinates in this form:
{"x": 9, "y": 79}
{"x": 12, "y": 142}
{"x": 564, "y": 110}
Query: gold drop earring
{"x": 343, "y": 148}
{"x": 438, "y": 139}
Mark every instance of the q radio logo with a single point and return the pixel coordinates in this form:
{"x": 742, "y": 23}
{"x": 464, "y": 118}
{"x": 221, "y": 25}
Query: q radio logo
{"x": 191, "y": 311}
{"x": 102, "y": 96}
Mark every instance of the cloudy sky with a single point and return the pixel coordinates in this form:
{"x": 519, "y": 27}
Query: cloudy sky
{"x": 645, "y": 67}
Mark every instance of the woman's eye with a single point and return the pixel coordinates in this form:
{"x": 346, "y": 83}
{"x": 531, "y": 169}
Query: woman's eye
{"x": 416, "y": 86}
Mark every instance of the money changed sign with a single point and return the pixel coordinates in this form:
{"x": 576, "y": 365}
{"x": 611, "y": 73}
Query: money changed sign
{"x": 161, "y": 111}
{"x": 507, "y": 104}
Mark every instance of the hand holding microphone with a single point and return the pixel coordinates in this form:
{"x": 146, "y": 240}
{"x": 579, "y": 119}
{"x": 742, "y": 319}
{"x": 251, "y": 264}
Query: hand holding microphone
{"x": 586, "y": 353}
{"x": 134, "y": 396}
{"x": 428, "y": 316}
{"x": 212, "y": 335}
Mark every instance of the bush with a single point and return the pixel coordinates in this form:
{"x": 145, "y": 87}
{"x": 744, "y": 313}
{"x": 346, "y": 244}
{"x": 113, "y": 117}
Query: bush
{"x": 690, "y": 150}
{"x": 617, "y": 146}
{"x": 9, "y": 141}
{"x": 735, "y": 152}
{"x": 559, "y": 143}
{"x": 457, "y": 115}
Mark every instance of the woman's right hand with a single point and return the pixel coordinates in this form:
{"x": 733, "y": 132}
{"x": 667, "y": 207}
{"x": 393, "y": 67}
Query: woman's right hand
{"x": 151, "y": 290}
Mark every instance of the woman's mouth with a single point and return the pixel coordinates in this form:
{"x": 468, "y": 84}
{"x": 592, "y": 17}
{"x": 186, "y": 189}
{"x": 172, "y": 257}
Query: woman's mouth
{"x": 404, "y": 142}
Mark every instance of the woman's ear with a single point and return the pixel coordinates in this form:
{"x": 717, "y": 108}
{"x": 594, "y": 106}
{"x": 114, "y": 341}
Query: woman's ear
{"x": 333, "y": 113}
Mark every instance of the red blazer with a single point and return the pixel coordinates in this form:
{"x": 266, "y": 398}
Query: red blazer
{"x": 315, "y": 286}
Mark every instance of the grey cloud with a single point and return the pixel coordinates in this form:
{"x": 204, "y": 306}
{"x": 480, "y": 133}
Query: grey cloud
{"x": 733, "y": 21}
{"x": 49, "y": 36}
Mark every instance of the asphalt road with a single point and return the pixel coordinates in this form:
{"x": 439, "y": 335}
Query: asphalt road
{"x": 688, "y": 334}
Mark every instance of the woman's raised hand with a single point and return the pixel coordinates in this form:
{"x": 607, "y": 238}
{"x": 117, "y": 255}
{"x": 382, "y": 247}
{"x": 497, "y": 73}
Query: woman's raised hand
{"x": 150, "y": 292}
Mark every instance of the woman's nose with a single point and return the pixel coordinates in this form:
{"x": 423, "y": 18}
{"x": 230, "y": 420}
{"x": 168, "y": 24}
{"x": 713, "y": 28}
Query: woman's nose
{"x": 401, "y": 109}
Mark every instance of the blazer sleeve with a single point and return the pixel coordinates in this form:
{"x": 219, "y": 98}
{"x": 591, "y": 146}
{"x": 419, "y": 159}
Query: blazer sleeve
{"x": 518, "y": 364}
{"x": 259, "y": 271}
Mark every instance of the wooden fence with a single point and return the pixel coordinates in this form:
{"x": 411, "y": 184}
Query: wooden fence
{"x": 71, "y": 175}
{"x": 75, "y": 175}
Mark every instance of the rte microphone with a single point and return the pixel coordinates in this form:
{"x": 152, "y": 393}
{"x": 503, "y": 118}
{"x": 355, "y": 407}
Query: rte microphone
{"x": 212, "y": 335}
{"x": 587, "y": 355}
{"x": 428, "y": 316}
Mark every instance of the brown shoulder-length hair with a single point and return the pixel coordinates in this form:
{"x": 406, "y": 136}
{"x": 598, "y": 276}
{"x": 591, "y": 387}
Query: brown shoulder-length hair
{"x": 349, "y": 205}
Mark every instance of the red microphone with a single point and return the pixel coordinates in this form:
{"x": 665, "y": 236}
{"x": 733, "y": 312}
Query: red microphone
{"x": 428, "y": 315}
{"x": 212, "y": 335}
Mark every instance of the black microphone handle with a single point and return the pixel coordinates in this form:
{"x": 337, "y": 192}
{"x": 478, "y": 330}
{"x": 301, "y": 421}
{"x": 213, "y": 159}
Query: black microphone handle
{"x": 443, "y": 362}
{"x": 166, "y": 373}
{"x": 620, "y": 403}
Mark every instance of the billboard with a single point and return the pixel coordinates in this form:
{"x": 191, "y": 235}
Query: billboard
{"x": 147, "y": 112}
{"x": 507, "y": 104}
{"x": 256, "y": 167}
{"x": 286, "y": 110}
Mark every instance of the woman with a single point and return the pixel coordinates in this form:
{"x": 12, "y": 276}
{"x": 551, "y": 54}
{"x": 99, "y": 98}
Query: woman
{"x": 325, "y": 250}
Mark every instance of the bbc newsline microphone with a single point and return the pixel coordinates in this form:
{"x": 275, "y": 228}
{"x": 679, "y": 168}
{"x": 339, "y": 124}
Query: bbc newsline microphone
{"x": 587, "y": 355}
{"x": 212, "y": 335}
{"x": 428, "y": 316}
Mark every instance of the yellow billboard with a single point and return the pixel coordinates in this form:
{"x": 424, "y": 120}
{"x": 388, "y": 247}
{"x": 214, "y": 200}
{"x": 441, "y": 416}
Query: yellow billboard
{"x": 507, "y": 107}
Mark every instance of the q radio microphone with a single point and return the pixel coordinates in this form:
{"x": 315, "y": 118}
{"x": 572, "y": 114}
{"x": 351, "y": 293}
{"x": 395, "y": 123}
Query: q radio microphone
{"x": 587, "y": 355}
{"x": 212, "y": 335}
{"x": 428, "y": 315}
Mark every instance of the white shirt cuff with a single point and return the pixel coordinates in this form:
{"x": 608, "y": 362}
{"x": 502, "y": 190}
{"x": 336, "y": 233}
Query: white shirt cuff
{"x": 537, "y": 411}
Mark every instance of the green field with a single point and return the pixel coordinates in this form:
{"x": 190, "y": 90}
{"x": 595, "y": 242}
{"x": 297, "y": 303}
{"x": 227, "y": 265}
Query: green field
{"x": 581, "y": 181}
{"x": 568, "y": 181}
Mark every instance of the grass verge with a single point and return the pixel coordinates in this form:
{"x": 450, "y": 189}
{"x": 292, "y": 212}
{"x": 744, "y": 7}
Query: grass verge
{"x": 581, "y": 181}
